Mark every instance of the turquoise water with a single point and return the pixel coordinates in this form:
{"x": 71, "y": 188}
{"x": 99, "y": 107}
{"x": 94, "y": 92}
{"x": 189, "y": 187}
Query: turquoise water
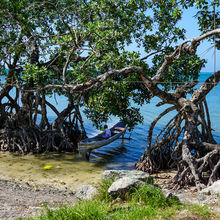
{"x": 123, "y": 156}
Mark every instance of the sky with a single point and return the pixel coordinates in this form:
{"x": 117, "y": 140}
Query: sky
{"x": 204, "y": 51}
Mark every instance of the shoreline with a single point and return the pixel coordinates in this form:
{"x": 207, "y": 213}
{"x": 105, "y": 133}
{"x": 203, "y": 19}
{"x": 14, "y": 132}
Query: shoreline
{"x": 53, "y": 170}
{"x": 25, "y": 199}
{"x": 28, "y": 183}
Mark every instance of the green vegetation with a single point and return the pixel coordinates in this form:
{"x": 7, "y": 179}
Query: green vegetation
{"x": 199, "y": 210}
{"x": 52, "y": 47}
{"x": 146, "y": 202}
{"x": 103, "y": 189}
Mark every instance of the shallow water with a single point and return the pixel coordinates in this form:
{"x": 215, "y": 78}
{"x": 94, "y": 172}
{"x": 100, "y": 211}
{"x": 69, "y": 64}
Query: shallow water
{"x": 58, "y": 170}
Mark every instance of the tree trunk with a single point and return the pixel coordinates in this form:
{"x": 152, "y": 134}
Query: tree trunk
{"x": 196, "y": 154}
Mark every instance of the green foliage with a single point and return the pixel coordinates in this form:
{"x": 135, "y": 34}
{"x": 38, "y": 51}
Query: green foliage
{"x": 185, "y": 69}
{"x": 103, "y": 187}
{"x": 83, "y": 39}
{"x": 113, "y": 99}
{"x": 39, "y": 75}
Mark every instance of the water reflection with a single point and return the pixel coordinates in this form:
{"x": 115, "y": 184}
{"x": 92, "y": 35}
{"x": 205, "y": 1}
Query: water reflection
{"x": 104, "y": 156}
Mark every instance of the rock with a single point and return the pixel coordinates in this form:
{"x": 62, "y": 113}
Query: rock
{"x": 119, "y": 200}
{"x": 169, "y": 195}
{"x": 123, "y": 185}
{"x": 125, "y": 179}
{"x": 210, "y": 196}
{"x": 133, "y": 174}
{"x": 86, "y": 192}
{"x": 214, "y": 189}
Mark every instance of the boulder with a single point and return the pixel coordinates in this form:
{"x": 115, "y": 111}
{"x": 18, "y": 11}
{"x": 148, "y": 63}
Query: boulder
{"x": 123, "y": 185}
{"x": 210, "y": 196}
{"x": 214, "y": 189}
{"x": 86, "y": 192}
{"x": 132, "y": 174}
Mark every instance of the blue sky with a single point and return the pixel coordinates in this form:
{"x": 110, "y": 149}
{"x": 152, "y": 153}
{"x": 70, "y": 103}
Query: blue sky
{"x": 204, "y": 51}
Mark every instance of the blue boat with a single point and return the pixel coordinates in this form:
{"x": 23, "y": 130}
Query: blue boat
{"x": 87, "y": 145}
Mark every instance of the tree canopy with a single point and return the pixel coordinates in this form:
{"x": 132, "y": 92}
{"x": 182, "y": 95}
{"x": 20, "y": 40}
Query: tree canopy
{"x": 79, "y": 49}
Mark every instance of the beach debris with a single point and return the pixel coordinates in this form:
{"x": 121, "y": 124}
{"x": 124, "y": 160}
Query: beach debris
{"x": 47, "y": 167}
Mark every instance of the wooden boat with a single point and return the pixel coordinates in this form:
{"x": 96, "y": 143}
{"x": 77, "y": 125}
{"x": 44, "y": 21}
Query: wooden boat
{"x": 89, "y": 144}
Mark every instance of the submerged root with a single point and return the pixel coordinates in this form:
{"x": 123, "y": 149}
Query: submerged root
{"x": 197, "y": 162}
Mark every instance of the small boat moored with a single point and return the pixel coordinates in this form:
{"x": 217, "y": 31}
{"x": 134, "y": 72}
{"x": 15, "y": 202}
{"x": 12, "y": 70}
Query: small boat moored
{"x": 89, "y": 144}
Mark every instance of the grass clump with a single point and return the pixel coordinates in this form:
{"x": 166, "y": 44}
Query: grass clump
{"x": 145, "y": 202}
{"x": 199, "y": 210}
{"x": 84, "y": 210}
{"x": 103, "y": 187}
{"x": 133, "y": 212}
{"x": 151, "y": 196}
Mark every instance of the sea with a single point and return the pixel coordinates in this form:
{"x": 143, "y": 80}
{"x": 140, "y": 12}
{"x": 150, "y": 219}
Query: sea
{"x": 123, "y": 155}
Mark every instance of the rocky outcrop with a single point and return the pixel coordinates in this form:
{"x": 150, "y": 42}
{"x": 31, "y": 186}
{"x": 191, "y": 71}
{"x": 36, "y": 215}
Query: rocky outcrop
{"x": 125, "y": 181}
{"x": 214, "y": 189}
{"x": 210, "y": 196}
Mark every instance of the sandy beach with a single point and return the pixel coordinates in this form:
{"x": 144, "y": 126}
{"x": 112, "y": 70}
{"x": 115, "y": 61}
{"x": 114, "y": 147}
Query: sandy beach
{"x": 29, "y": 182}
{"x": 59, "y": 171}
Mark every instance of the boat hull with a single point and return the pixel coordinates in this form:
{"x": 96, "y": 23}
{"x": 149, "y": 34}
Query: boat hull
{"x": 87, "y": 146}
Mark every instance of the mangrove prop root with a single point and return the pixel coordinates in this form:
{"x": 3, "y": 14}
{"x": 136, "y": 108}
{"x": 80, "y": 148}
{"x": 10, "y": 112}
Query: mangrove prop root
{"x": 186, "y": 141}
{"x": 21, "y": 132}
